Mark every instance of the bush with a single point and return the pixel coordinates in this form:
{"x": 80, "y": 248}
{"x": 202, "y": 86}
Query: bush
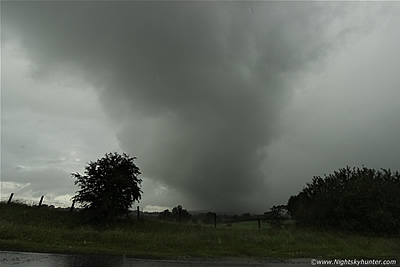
{"x": 361, "y": 200}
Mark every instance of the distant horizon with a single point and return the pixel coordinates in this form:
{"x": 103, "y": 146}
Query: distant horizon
{"x": 151, "y": 209}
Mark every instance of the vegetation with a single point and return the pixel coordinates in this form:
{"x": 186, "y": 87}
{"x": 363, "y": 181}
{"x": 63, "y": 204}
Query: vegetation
{"x": 209, "y": 218}
{"x": 109, "y": 187}
{"x": 356, "y": 200}
{"x": 337, "y": 211}
{"x": 178, "y": 214}
{"x": 277, "y": 215}
{"x": 51, "y": 230}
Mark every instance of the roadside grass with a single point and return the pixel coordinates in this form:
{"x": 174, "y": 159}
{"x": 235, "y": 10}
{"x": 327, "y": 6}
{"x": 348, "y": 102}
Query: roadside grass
{"x": 44, "y": 230}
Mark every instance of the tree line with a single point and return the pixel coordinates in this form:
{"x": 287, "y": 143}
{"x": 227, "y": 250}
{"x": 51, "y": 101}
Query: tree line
{"x": 350, "y": 199}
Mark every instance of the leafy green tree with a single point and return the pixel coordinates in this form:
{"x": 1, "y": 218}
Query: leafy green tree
{"x": 362, "y": 200}
{"x": 109, "y": 186}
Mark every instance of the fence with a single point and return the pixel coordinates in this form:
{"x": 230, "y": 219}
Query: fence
{"x": 227, "y": 221}
{"x": 210, "y": 218}
{"x": 41, "y": 201}
{"x": 49, "y": 204}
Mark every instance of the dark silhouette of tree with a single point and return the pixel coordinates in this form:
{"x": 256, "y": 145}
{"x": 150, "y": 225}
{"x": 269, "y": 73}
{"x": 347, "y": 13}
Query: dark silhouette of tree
{"x": 109, "y": 187}
{"x": 165, "y": 215}
{"x": 209, "y": 218}
{"x": 277, "y": 214}
{"x": 178, "y": 214}
{"x": 181, "y": 215}
{"x": 362, "y": 200}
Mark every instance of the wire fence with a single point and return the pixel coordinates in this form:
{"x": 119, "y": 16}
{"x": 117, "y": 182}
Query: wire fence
{"x": 211, "y": 218}
{"x": 31, "y": 201}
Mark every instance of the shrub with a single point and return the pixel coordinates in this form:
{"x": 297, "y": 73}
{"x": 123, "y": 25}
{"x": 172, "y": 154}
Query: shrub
{"x": 362, "y": 200}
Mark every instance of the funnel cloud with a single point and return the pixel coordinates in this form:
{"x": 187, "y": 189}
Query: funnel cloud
{"x": 194, "y": 90}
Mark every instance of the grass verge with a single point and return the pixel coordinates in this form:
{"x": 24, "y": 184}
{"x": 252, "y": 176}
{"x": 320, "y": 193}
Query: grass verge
{"x": 44, "y": 230}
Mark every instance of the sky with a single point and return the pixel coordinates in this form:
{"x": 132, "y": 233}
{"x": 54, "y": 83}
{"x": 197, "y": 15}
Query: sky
{"x": 227, "y": 105}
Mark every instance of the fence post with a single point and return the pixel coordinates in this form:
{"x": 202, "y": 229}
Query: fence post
{"x": 259, "y": 224}
{"x": 72, "y": 206}
{"x": 138, "y": 213}
{"x": 40, "y": 202}
{"x": 215, "y": 220}
{"x": 9, "y": 200}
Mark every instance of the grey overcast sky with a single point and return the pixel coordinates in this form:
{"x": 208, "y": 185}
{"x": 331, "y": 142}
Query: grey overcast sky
{"x": 228, "y": 106}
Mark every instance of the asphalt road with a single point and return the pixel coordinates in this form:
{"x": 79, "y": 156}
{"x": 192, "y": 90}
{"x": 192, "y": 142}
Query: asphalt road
{"x": 30, "y": 259}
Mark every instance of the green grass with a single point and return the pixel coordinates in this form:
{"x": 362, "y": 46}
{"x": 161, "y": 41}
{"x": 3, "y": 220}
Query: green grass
{"x": 44, "y": 230}
{"x": 253, "y": 225}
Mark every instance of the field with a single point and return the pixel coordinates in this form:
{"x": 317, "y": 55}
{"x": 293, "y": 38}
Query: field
{"x": 45, "y": 230}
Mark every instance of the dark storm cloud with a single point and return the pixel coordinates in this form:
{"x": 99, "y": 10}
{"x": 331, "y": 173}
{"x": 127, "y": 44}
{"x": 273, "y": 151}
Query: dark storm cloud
{"x": 193, "y": 87}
